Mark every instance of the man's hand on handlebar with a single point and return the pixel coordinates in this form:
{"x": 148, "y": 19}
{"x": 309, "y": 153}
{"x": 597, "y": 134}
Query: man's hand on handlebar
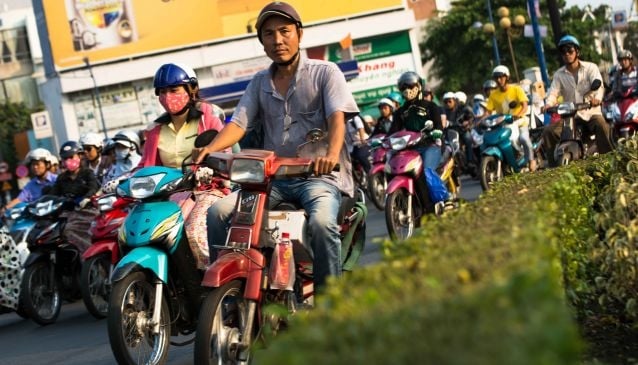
{"x": 324, "y": 165}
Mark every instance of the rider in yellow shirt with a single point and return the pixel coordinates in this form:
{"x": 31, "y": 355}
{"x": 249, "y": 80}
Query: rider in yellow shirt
{"x": 500, "y": 100}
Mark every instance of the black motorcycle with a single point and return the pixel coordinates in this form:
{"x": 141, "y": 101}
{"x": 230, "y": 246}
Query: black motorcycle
{"x": 52, "y": 269}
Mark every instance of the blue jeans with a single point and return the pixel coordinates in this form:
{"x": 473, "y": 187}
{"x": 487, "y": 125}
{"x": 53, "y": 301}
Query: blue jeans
{"x": 320, "y": 200}
{"x": 431, "y": 156}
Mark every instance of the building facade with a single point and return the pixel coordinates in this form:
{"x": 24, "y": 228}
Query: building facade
{"x": 111, "y": 49}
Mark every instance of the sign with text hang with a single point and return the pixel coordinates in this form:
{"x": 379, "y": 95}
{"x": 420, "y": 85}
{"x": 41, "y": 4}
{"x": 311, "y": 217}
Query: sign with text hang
{"x": 41, "y": 125}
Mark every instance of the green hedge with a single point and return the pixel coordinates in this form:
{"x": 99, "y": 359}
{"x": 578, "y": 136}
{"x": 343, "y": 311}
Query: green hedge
{"x": 491, "y": 283}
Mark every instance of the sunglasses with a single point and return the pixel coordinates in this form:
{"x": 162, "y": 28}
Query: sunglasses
{"x": 407, "y": 86}
{"x": 447, "y": 101}
{"x": 567, "y": 51}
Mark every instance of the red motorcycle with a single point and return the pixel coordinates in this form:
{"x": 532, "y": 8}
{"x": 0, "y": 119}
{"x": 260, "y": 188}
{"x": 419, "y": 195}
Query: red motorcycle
{"x": 377, "y": 182}
{"x": 233, "y": 314}
{"x": 624, "y": 114}
{"x": 100, "y": 259}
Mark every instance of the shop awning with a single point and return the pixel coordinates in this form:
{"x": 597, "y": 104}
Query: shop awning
{"x": 232, "y": 91}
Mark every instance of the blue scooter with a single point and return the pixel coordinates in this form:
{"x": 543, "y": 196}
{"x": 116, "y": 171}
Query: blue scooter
{"x": 156, "y": 286}
{"x": 498, "y": 155}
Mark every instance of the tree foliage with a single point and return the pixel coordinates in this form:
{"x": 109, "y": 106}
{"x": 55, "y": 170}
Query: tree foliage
{"x": 462, "y": 55}
{"x": 14, "y": 118}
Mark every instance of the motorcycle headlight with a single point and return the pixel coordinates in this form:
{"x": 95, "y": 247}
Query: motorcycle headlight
{"x": 105, "y": 203}
{"x": 245, "y": 170}
{"x": 492, "y": 122}
{"x": 399, "y": 143}
{"x": 566, "y": 109}
{"x": 143, "y": 187}
{"x": 40, "y": 209}
{"x": 15, "y": 213}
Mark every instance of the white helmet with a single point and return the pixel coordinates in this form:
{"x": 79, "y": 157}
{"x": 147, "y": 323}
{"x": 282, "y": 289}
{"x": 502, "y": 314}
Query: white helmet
{"x": 92, "y": 139}
{"x": 461, "y": 97}
{"x": 39, "y": 154}
{"x": 478, "y": 98}
{"x": 449, "y": 95}
{"x": 127, "y": 138}
{"x": 388, "y": 102}
{"x": 501, "y": 70}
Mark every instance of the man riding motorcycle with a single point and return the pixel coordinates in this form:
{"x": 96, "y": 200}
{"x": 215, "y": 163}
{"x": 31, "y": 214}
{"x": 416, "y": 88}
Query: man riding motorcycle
{"x": 39, "y": 161}
{"x": 573, "y": 81}
{"x": 292, "y": 115}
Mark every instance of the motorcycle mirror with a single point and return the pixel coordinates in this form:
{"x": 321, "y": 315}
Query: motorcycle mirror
{"x": 205, "y": 138}
{"x": 428, "y": 125}
{"x": 315, "y": 135}
{"x": 595, "y": 85}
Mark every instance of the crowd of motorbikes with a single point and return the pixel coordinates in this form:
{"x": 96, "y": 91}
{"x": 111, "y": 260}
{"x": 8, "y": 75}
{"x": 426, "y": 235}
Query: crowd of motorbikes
{"x": 141, "y": 272}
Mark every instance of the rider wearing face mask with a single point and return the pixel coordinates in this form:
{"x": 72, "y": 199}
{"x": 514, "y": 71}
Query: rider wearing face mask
{"x": 126, "y": 158}
{"x": 173, "y": 137}
{"x": 79, "y": 183}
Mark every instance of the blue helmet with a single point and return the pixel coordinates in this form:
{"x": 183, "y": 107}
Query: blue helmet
{"x": 174, "y": 74}
{"x": 568, "y": 40}
{"x": 396, "y": 97}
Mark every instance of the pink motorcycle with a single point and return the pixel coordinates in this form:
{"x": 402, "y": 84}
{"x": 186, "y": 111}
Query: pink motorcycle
{"x": 407, "y": 194}
{"x": 624, "y": 114}
{"x": 377, "y": 182}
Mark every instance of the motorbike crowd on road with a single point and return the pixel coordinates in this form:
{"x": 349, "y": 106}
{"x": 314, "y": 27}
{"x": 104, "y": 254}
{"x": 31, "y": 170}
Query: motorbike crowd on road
{"x": 194, "y": 226}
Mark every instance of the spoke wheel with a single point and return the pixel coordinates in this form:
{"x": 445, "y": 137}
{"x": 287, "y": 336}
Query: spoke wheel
{"x": 377, "y": 189}
{"x": 491, "y": 171}
{"x": 400, "y": 224}
{"x": 221, "y": 325}
{"x": 94, "y": 282}
{"x": 39, "y": 294}
{"x": 130, "y": 324}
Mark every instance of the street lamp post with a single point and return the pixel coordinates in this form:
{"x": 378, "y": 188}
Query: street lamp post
{"x": 97, "y": 94}
{"x": 510, "y": 30}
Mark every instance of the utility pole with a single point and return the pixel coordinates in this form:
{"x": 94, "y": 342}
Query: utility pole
{"x": 97, "y": 95}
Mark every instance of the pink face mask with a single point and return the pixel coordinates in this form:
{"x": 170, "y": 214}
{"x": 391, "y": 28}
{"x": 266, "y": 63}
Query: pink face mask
{"x": 72, "y": 163}
{"x": 174, "y": 103}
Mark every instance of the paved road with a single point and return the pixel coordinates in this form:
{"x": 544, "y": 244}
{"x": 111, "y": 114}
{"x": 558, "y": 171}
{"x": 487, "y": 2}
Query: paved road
{"x": 78, "y": 338}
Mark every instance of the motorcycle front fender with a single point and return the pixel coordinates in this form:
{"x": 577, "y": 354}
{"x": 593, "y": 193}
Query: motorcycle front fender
{"x": 151, "y": 258}
{"x": 399, "y": 182}
{"x": 376, "y": 168}
{"x": 103, "y": 246}
{"x": 493, "y": 151}
{"x": 574, "y": 148}
{"x": 237, "y": 265}
{"x": 35, "y": 256}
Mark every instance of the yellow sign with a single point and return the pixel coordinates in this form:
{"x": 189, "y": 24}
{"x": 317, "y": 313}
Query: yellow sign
{"x": 105, "y": 30}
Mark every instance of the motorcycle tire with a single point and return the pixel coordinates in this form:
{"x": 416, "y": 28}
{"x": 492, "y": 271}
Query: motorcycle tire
{"x": 490, "y": 171}
{"x": 39, "y": 294}
{"x": 565, "y": 159}
{"x": 131, "y": 305}
{"x": 376, "y": 189}
{"x": 400, "y": 225}
{"x": 219, "y": 327}
{"x": 94, "y": 282}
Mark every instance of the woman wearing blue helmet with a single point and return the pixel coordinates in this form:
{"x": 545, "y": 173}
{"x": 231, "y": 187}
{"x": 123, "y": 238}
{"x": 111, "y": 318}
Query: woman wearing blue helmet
{"x": 171, "y": 140}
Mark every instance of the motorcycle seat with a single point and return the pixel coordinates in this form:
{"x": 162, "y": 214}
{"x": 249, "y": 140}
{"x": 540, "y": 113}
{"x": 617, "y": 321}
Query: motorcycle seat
{"x": 347, "y": 203}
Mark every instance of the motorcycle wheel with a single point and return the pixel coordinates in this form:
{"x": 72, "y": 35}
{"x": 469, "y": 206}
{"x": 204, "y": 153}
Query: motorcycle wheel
{"x": 400, "y": 224}
{"x": 360, "y": 178}
{"x": 129, "y": 322}
{"x": 220, "y": 326}
{"x": 565, "y": 159}
{"x": 39, "y": 294}
{"x": 94, "y": 282}
{"x": 376, "y": 188}
{"x": 489, "y": 172}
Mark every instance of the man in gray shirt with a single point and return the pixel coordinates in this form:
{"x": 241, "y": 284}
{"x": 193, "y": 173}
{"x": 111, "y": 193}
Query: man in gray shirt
{"x": 287, "y": 100}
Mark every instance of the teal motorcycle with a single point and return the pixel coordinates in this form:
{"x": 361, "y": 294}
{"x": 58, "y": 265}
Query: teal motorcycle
{"x": 156, "y": 286}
